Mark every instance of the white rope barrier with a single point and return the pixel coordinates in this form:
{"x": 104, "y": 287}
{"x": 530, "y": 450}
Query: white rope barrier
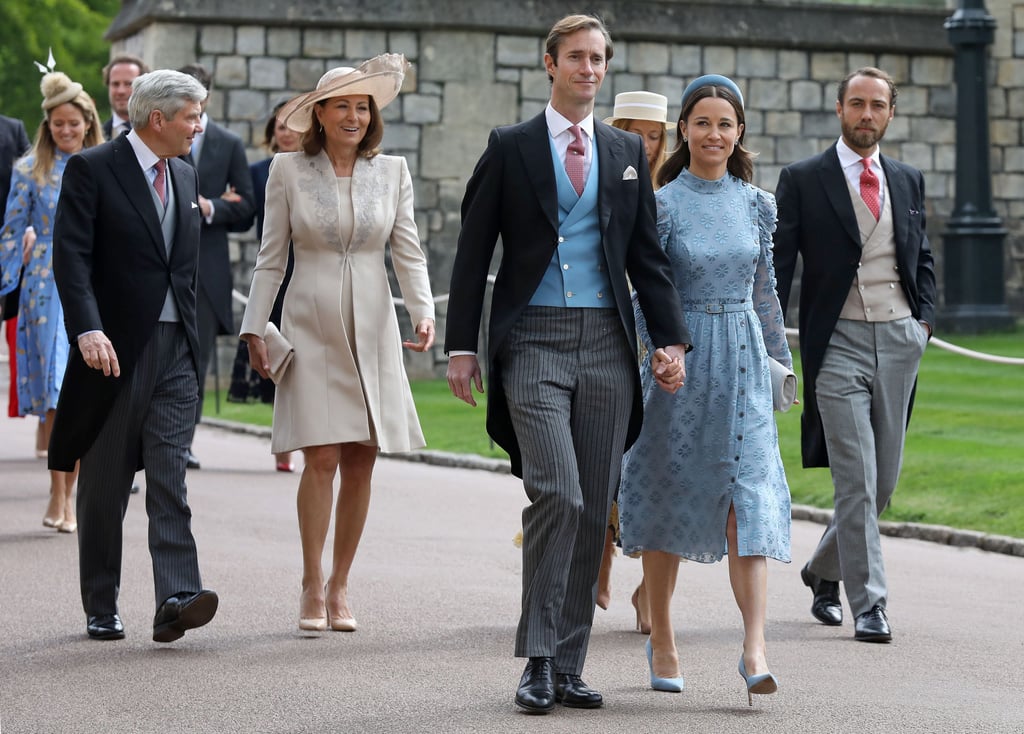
{"x": 940, "y": 343}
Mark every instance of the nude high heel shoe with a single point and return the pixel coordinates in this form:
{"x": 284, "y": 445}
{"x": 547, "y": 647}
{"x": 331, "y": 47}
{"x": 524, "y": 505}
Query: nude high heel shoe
{"x": 340, "y": 624}
{"x": 643, "y": 614}
{"x": 313, "y": 624}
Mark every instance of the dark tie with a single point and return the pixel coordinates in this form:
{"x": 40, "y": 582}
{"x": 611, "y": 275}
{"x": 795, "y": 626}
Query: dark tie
{"x": 869, "y": 188}
{"x": 574, "y": 157}
{"x": 160, "y": 182}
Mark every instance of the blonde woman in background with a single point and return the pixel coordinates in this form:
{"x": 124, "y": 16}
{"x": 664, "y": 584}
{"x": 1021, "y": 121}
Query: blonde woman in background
{"x": 70, "y": 124}
{"x": 646, "y": 114}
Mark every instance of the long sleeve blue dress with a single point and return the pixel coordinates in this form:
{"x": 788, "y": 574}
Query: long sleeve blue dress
{"x": 714, "y": 443}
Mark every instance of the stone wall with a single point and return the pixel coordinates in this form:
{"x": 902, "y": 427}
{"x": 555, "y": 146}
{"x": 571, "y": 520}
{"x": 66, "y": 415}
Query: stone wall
{"x": 478, "y": 64}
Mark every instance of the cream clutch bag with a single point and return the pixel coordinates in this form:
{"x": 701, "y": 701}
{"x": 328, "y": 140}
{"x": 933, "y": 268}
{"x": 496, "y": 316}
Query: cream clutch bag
{"x": 279, "y": 352}
{"x": 783, "y": 385}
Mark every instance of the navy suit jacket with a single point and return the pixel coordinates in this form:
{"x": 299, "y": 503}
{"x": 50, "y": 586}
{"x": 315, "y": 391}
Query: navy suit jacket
{"x": 512, "y": 194}
{"x": 817, "y": 221}
{"x": 222, "y": 164}
{"x": 13, "y": 145}
{"x": 112, "y": 273}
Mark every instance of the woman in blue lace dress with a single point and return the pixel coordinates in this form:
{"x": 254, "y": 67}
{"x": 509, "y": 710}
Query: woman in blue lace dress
{"x": 70, "y": 123}
{"x": 705, "y": 478}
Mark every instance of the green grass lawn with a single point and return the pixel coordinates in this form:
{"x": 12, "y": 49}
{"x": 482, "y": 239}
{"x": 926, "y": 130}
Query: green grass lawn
{"x": 964, "y": 460}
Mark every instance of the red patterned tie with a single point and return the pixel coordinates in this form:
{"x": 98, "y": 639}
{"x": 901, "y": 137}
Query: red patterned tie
{"x": 574, "y": 157}
{"x": 869, "y": 188}
{"x": 160, "y": 182}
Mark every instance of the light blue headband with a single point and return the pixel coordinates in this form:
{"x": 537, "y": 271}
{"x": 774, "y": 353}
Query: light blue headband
{"x": 711, "y": 80}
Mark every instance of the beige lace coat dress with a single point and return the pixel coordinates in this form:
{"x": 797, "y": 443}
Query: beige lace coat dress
{"x": 347, "y": 381}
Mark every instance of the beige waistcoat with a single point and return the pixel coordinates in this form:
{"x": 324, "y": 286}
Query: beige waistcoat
{"x": 876, "y": 293}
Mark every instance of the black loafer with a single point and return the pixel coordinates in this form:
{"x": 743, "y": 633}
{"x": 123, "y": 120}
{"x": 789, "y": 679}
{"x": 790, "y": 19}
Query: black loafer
{"x": 872, "y": 626}
{"x": 826, "y": 607}
{"x": 536, "y": 693}
{"x": 105, "y": 627}
{"x": 192, "y": 462}
{"x": 182, "y": 612}
{"x": 571, "y": 691}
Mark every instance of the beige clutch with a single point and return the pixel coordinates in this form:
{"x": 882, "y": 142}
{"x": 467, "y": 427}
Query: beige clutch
{"x": 783, "y": 385}
{"x": 279, "y": 352}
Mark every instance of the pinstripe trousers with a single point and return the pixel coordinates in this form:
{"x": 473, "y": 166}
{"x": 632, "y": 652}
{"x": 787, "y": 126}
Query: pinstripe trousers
{"x": 863, "y": 387}
{"x": 568, "y": 375}
{"x": 152, "y": 416}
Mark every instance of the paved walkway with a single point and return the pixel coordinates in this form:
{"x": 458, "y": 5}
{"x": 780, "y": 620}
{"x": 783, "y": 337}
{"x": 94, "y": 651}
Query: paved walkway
{"x": 435, "y": 589}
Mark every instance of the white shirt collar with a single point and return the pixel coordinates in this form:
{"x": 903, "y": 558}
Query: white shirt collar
{"x": 848, "y": 157}
{"x": 146, "y": 157}
{"x": 558, "y": 124}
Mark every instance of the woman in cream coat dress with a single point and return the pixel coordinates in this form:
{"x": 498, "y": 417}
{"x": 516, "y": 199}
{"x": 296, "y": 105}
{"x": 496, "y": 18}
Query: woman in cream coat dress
{"x": 345, "y": 394}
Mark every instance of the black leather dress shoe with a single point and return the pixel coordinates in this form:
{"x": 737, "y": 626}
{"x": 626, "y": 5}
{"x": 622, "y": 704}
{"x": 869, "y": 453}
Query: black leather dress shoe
{"x": 105, "y": 627}
{"x": 571, "y": 691}
{"x": 182, "y": 612}
{"x": 135, "y": 488}
{"x": 193, "y": 461}
{"x": 536, "y": 693}
{"x": 872, "y": 626}
{"x": 825, "y": 607}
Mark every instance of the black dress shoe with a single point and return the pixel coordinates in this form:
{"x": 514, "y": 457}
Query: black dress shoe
{"x": 135, "y": 488}
{"x": 872, "y": 626}
{"x": 825, "y": 607}
{"x": 182, "y": 612}
{"x": 192, "y": 462}
{"x": 571, "y": 691}
{"x": 105, "y": 627}
{"x": 536, "y": 694}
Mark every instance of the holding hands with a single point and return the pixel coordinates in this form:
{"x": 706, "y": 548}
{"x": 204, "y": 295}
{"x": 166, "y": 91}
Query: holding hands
{"x": 669, "y": 367}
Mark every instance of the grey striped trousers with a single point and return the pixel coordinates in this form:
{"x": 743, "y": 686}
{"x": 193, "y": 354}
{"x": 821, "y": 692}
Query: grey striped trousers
{"x": 568, "y": 376}
{"x": 153, "y": 415}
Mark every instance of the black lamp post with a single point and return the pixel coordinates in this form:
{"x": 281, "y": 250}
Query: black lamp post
{"x": 973, "y": 252}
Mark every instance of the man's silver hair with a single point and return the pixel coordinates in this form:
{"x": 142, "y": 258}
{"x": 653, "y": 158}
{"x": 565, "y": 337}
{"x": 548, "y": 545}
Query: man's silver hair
{"x": 163, "y": 90}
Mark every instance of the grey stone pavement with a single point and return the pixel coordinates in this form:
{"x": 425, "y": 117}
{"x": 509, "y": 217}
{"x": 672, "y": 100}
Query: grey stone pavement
{"x": 435, "y": 589}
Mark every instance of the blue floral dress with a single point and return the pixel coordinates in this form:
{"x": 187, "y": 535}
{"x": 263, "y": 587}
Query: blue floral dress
{"x": 42, "y": 342}
{"x": 714, "y": 443}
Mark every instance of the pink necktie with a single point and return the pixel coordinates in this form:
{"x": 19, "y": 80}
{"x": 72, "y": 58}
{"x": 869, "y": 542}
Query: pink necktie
{"x": 160, "y": 182}
{"x": 869, "y": 188}
{"x": 574, "y": 157}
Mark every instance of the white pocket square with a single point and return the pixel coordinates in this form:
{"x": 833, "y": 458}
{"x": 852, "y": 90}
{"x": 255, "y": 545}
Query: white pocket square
{"x": 629, "y": 174}
{"x": 195, "y": 205}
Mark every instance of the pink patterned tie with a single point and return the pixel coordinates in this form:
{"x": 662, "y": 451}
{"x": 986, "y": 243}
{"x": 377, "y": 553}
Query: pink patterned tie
{"x": 574, "y": 157}
{"x": 869, "y": 188}
{"x": 160, "y": 182}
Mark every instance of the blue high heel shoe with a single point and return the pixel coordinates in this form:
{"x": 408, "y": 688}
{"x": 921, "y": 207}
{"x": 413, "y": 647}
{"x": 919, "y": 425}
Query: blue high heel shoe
{"x": 764, "y": 683}
{"x": 670, "y": 685}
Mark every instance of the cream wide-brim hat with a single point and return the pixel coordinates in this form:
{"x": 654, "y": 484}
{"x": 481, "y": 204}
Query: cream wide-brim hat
{"x": 649, "y": 106}
{"x": 380, "y": 77}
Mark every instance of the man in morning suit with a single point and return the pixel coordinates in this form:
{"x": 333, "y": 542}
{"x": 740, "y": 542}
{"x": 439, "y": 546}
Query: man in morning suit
{"x": 571, "y": 199}
{"x": 126, "y": 240}
{"x": 867, "y": 305}
{"x": 118, "y": 75}
{"x": 227, "y": 203}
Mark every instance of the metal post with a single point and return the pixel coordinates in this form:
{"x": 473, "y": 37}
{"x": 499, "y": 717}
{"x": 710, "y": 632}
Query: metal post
{"x": 975, "y": 298}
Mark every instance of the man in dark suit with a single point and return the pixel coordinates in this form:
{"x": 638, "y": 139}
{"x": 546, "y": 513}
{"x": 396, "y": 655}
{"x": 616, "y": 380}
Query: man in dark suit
{"x": 227, "y": 204}
{"x": 118, "y": 75}
{"x": 14, "y": 143}
{"x": 126, "y": 240}
{"x": 571, "y": 199}
{"x": 867, "y": 305}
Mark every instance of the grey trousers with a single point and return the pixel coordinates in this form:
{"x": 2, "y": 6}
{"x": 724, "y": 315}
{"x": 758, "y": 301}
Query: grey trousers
{"x": 153, "y": 414}
{"x": 863, "y": 389}
{"x": 568, "y": 376}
